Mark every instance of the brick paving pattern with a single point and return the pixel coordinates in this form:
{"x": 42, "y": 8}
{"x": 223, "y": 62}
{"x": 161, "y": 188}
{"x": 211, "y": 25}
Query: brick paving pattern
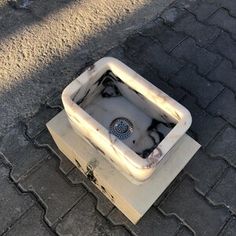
{"x": 189, "y": 51}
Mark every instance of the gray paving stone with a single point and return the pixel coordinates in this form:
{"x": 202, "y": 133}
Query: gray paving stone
{"x": 230, "y": 5}
{"x": 4, "y": 161}
{"x": 202, "y": 58}
{"x": 84, "y": 219}
{"x": 157, "y": 58}
{"x": 222, "y": 19}
{"x": 225, "y": 46}
{"x": 167, "y": 37}
{"x": 225, "y": 74}
{"x": 230, "y": 228}
{"x": 224, "y": 146}
{"x": 224, "y": 191}
{"x": 120, "y": 53}
{"x": 190, "y": 206}
{"x": 224, "y": 105}
{"x": 53, "y": 190}
{"x": 175, "y": 182}
{"x": 38, "y": 123}
{"x": 152, "y": 76}
{"x": 144, "y": 51}
{"x": 184, "y": 231}
{"x": 203, "y": 10}
{"x": 170, "y": 39}
{"x": 104, "y": 206}
{"x": 119, "y": 231}
{"x": 44, "y": 139}
{"x": 149, "y": 73}
{"x": 13, "y": 204}
{"x": 202, "y": 33}
{"x": 55, "y": 101}
{"x": 152, "y": 223}
{"x": 203, "y": 125}
{"x": 31, "y": 224}
{"x": 172, "y": 15}
{"x": 185, "y": 4}
{"x": 136, "y": 45}
{"x": 153, "y": 28}
{"x": 197, "y": 85}
{"x": 22, "y": 154}
{"x": 199, "y": 168}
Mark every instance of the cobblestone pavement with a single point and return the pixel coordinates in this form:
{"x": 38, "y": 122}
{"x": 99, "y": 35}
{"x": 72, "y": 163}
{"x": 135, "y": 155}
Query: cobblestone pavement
{"x": 190, "y": 53}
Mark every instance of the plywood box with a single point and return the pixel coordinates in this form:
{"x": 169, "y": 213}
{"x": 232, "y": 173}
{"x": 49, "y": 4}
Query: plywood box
{"x": 132, "y": 200}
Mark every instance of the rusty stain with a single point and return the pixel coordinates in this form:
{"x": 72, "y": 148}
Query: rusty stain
{"x": 177, "y": 116}
{"x": 77, "y": 162}
{"x": 112, "y": 198}
{"x": 164, "y": 117}
{"x": 103, "y": 189}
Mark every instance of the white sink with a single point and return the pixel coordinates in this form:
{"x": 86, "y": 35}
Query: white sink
{"x": 129, "y": 121}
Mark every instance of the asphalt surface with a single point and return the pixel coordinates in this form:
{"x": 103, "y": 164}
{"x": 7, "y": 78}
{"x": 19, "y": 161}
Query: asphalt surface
{"x": 44, "y": 46}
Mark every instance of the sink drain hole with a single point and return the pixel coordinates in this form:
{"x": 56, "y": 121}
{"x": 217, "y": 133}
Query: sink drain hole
{"x": 121, "y": 127}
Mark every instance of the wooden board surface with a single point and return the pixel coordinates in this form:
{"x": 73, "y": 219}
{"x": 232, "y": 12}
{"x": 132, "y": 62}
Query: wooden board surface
{"x": 132, "y": 200}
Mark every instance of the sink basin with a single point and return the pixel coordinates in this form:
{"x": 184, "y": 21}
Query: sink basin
{"x": 128, "y": 120}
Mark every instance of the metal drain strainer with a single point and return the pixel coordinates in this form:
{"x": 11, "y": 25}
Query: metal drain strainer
{"x": 121, "y": 127}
